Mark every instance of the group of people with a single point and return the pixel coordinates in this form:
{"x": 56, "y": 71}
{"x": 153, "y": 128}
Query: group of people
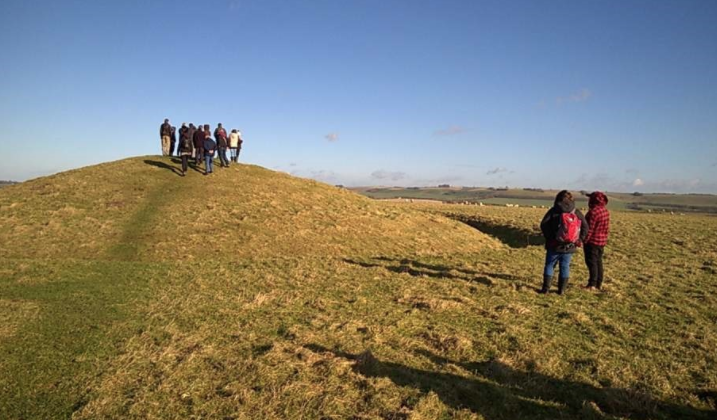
{"x": 197, "y": 143}
{"x": 565, "y": 229}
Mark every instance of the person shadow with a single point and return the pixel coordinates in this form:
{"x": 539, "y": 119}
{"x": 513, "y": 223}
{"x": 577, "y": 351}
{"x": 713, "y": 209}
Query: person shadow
{"x": 498, "y": 391}
{"x": 163, "y": 165}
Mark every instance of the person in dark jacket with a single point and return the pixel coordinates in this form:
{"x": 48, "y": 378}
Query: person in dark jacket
{"x": 190, "y": 133}
{"x": 598, "y": 219}
{"x": 183, "y": 133}
{"x": 198, "y": 140}
{"x": 184, "y": 148}
{"x": 173, "y": 141}
{"x": 560, "y": 252}
{"x": 209, "y": 147}
{"x": 165, "y": 132}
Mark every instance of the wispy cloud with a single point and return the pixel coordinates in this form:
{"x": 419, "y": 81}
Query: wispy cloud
{"x": 450, "y": 131}
{"x": 604, "y": 182}
{"x": 496, "y": 171}
{"x": 392, "y": 176}
{"x": 332, "y": 137}
{"x": 323, "y": 175}
{"x": 581, "y": 95}
{"x": 632, "y": 171}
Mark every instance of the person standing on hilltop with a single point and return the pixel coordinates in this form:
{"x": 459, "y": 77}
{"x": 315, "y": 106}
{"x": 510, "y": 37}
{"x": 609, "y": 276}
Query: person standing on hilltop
{"x": 172, "y": 141}
{"x": 209, "y": 147}
{"x": 564, "y": 228}
{"x": 190, "y": 133}
{"x": 198, "y": 140}
{"x": 234, "y": 144}
{"x": 184, "y": 149}
{"x": 165, "y": 132}
{"x": 183, "y": 133}
{"x": 220, "y": 134}
{"x": 598, "y": 219}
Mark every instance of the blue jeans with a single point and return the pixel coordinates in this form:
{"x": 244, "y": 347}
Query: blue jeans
{"x": 551, "y": 258}
{"x": 208, "y": 164}
{"x": 223, "y": 156}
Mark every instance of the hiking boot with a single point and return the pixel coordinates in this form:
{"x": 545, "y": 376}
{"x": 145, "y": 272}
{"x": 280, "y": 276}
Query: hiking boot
{"x": 546, "y": 284}
{"x": 562, "y": 285}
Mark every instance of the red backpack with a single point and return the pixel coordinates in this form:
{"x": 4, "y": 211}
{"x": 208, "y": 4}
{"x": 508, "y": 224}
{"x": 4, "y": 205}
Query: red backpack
{"x": 568, "y": 228}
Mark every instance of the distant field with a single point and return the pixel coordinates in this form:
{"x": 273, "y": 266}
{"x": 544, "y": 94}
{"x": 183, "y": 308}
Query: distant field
{"x": 701, "y": 203}
{"x": 128, "y": 292}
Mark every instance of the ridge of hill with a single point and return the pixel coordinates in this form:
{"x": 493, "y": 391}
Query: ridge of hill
{"x": 129, "y": 292}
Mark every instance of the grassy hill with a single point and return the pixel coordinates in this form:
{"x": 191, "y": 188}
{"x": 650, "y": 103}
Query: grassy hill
{"x": 127, "y": 291}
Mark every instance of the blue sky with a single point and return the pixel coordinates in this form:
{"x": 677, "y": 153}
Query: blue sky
{"x": 611, "y": 95}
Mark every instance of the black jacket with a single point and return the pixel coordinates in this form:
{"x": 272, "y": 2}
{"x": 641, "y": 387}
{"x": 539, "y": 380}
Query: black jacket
{"x": 198, "y": 139}
{"x": 165, "y": 130}
{"x": 183, "y": 133}
{"x": 551, "y": 221}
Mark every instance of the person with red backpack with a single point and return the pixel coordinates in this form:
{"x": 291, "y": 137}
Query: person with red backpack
{"x": 220, "y": 134}
{"x": 564, "y": 228}
{"x": 598, "y": 218}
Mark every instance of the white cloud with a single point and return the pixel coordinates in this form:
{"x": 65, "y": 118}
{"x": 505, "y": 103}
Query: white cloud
{"x": 580, "y": 96}
{"x": 332, "y": 137}
{"x": 450, "y": 131}
{"x": 383, "y": 174}
{"x": 638, "y": 182}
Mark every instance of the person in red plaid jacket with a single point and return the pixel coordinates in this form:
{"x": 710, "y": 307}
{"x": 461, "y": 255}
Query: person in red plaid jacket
{"x": 598, "y": 219}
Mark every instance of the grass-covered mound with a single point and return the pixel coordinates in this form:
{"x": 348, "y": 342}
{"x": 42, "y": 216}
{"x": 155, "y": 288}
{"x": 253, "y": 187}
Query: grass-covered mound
{"x": 127, "y": 291}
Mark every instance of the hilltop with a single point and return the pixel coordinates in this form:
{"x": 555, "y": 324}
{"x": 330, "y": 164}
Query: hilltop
{"x": 127, "y": 291}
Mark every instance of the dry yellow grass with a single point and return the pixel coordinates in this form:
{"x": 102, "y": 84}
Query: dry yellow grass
{"x": 255, "y": 295}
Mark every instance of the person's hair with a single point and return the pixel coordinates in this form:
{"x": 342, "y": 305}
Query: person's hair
{"x": 166, "y": 120}
{"x": 563, "y": 195}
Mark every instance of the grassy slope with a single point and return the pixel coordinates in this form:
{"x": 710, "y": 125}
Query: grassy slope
{"x": 128, "y": 292}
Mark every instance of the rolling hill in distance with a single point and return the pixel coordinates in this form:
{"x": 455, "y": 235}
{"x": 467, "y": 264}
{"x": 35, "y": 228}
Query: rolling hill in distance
{"x": 661, "y": 202}
{"x": 127, "y": 291}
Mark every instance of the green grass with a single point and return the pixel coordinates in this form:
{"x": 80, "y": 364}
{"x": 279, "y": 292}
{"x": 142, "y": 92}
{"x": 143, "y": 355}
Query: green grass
{"x": 251, "y": 294}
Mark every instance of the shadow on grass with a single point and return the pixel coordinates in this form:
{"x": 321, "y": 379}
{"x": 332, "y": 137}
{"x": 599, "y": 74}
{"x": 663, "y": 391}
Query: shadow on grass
{"x": 192, "y": 164}
{"x": 421, "y": 269}
{"x": 498, "y": 391}
{"x": 163, "y": 165}
{"x": 512, "y": 236}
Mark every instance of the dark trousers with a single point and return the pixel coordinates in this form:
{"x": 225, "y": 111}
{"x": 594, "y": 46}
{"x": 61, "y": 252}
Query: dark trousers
{"x": 171, "y": 148}
{"x": 185, "y": 160}
{"x": 198, "y": 155}
{"x": 593, "y": 259}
